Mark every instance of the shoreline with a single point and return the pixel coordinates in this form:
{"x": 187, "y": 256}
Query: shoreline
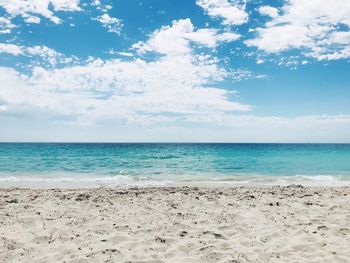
{"x": 176, "y": 224}
{"x": 87, "y": 181}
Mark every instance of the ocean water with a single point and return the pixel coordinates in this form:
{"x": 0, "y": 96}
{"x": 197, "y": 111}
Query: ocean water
{"x": 111, "y": 164}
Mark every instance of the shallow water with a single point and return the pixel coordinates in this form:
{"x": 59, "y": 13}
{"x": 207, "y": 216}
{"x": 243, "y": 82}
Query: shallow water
{"x": 149, "y": 163}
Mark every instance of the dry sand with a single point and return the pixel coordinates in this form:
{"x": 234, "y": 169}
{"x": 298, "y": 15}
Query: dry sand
{"x": 176, "y": 224}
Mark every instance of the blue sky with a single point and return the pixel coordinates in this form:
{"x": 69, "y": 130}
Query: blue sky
{"x": 201, "y": 70}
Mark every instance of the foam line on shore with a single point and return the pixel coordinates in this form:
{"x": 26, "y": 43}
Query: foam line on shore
{"x": 91, "y": 181}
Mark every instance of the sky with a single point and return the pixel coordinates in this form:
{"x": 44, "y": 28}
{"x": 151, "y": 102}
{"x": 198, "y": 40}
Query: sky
{"x": 175, "y": 70}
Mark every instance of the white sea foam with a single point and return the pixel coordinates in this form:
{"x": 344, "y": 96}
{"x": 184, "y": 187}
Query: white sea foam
{"x": 95, "y": 180}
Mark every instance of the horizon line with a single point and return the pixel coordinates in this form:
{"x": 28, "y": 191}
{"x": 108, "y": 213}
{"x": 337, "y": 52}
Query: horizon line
{"x": 165, "y": 142}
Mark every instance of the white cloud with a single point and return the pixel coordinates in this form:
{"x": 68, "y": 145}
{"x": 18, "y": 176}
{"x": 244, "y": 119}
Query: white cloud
{"x": 5, "y": 31}
{"x": 112, "y": 24}
{"x": 179, "y": 83}
{"x": 31, "y": 9}
{"x": 47, "y": 54}
{"x": 124, "y": 54}
{"x": 5, "y": 25}
{"x": 173, "y": 91}
{"x": 232, "y": 12}
{"x": 3, "y": 108}
{"x": 268, "y": 11}
{"x": 101, "y": 7}
{"x": 250, "y": 128}
{"x": 272, "y": 121}
{"x": 211, "y": 38}
{"x": 10, "y": 49}
{"x": 280, "y": 38}
{"x": 319, "y": 27}
{"x": 177, "y": 39}
{"x": 118, "y": 89}
{"x": 96, "y": 3}
{"x": 32, "y": 20}
{"x": 242, "y": 74}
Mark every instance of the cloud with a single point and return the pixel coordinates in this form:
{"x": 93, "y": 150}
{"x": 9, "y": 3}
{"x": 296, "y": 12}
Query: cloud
{"x": 268, "y": 11}
{"x": 3, "y": 108}
{"x": 112, "y": 24}
{"x": 320, "y": 28}
{"x": 170, "y": 87}
{"x": 120, "y": 90}
{"x": 32, "y": 20}
{"x": 177, "y": 39}
{"x": 273, "y": 121}
{"x": 31, "y": 9}
{"x": 173, "y": 91}
{"x": 232, "y": 12}
{"x": 242, "y": 74}
{"x": 10, "y": 49}
{"x": 47, "y": 54}
{"x": 120, "y": 53}
{"x": 101, "y": 7}
{"x": 6, "y": 25}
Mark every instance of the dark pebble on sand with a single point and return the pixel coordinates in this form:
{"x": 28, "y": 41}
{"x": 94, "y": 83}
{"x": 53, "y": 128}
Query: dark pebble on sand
{"x": 183, "y": 233}
{"x": 13, "y": 201}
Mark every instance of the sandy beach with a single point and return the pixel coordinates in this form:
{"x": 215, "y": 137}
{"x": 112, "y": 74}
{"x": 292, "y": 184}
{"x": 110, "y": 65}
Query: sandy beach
{"x": 176, "y": 224}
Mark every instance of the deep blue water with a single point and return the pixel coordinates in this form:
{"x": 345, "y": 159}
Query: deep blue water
{"x": 110, "y": 163}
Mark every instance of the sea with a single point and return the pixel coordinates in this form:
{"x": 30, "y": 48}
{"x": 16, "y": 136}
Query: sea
{"x": 73, "y": 165}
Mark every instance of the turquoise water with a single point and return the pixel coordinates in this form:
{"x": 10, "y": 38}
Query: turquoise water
{"x": 120, "y": 164}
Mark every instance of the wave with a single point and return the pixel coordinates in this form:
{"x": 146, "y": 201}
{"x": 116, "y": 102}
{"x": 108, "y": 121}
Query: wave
{"x": 67, "y": 180}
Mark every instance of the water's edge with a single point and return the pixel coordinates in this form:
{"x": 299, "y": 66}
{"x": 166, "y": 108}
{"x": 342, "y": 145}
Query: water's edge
{"x": 88, "y": 181}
